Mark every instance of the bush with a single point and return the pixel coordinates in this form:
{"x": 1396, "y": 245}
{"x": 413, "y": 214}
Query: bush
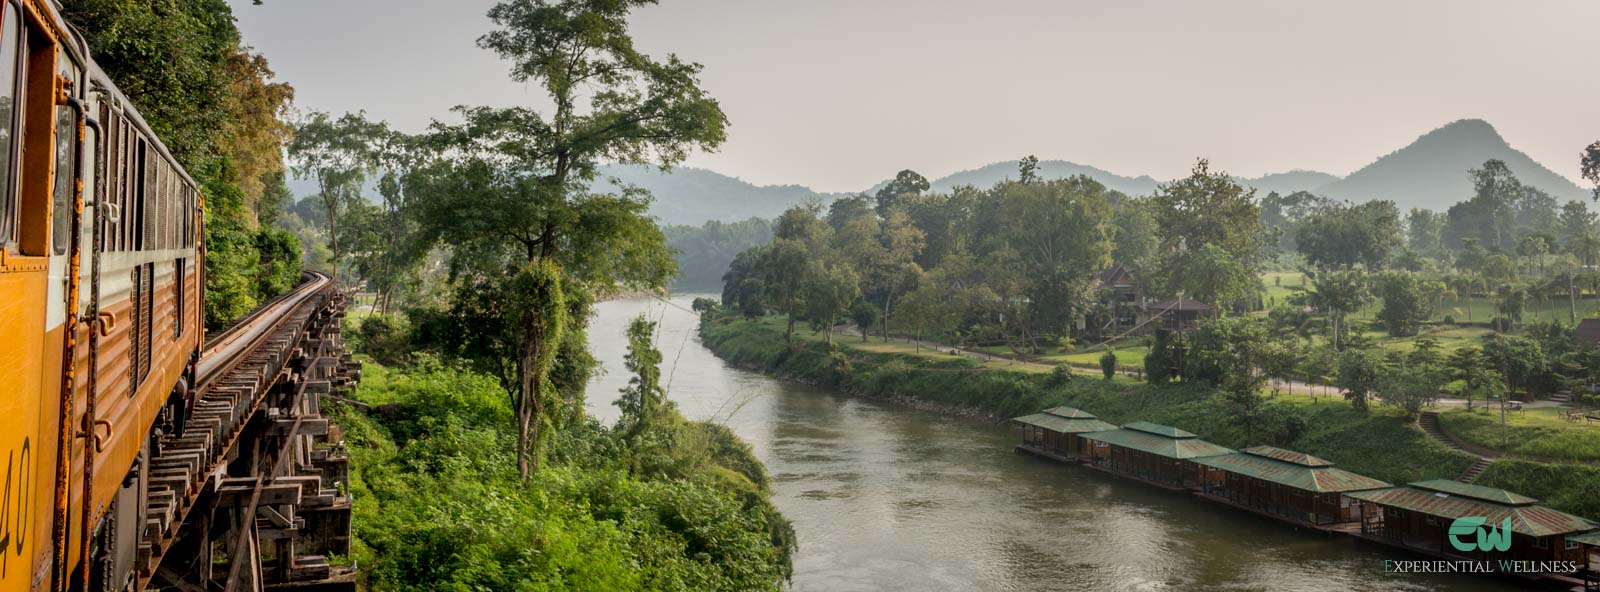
{"x": 385, "y": 338}
{"x": 1108, "y": 364}
{"x": 703, "y": 306}
{"x": 1449, "y": 319}
{"x": 1061, "y": 375}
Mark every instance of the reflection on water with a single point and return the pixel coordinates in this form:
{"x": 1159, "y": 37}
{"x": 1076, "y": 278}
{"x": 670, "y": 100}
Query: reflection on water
{"x": 888, "y": 498}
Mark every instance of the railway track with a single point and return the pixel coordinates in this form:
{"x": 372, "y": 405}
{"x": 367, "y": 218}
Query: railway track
{"x": 250, "y": 492}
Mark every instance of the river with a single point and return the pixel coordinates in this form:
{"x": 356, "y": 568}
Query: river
{"x": 889, "y": 498}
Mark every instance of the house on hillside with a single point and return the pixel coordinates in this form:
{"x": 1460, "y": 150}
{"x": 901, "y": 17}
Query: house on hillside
{"x": 1121, "y": 296}
{"x": 1174, "y": 314}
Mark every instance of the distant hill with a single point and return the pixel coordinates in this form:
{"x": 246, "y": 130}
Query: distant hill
{"x": 987, "y": 175}
{"x": 692, "y": 196}
{"x": 1432, "y": 171}
{"x": 1290, "y": 182}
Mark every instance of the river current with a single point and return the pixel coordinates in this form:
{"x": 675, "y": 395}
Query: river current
{"x": 889, "y": 498}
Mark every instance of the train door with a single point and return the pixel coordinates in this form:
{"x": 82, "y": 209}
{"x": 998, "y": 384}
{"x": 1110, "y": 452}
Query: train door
{"x": 33, "y": 315}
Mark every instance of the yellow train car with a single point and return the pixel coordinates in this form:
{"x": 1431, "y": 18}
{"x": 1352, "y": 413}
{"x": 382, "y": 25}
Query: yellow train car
{"x": 100, "y": 297}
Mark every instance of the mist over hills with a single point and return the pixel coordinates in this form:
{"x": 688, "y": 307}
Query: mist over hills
{"x": 692, "y": 196}
{"x": 1430, "y": 172}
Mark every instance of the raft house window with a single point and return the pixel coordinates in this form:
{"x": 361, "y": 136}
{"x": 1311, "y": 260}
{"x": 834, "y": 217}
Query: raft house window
{"x": 1571, "y": 545}
{"x": 13, "y": 47}
{"x": 1541, "y": 543}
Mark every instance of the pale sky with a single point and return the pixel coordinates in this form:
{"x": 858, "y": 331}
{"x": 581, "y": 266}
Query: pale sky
{"x": 839, "y": 94}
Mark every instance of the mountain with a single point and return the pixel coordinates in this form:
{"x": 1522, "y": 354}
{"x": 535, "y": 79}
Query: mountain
{"x": 1290, "y": 182}
{"x": 692, "y": 196}
{"x": 987, "y": 175}
{"x": 1432, "y": 171}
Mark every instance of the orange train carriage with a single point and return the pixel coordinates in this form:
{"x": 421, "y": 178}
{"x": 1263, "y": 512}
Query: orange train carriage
{"x": 100, "y": 265}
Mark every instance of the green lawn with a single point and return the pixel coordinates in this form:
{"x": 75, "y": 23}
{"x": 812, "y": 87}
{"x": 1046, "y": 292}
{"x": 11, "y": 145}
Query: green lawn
{"x": 1535, "y": 432}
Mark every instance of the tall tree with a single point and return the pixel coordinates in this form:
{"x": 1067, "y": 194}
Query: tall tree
{"x": 906, "y": 182}
{"x": 1425, "y": 231}
{"x": 1060, "y": 232}
{"x": 1346, "y": 234}
{"x": 1576, "y": 221}
{"x": 1589, "y": 166}
{"x": 512, "y": 196}
{"x": 1339, "y": 292}
{"x": 339, "y": 153}
{"x": 1406, "y": 303}
{"x": 1202, "y": 209}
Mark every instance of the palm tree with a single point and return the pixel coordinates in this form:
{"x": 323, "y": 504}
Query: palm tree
{"x": 1462, "y": 284}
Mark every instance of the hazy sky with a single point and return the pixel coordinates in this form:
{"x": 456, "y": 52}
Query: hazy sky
{"x": 838, "y": 95}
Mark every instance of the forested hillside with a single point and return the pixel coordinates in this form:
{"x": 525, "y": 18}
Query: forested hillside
{"x": 704, "y": 252}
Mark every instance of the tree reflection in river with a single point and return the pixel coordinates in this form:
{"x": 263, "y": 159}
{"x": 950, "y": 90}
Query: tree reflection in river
{"x": 889, "y": 498}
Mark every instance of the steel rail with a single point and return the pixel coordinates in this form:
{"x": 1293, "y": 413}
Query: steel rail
{"x": 225, "y": 352}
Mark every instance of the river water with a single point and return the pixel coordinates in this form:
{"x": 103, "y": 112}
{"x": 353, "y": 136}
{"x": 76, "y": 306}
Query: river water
{"x": 889, "y": 498}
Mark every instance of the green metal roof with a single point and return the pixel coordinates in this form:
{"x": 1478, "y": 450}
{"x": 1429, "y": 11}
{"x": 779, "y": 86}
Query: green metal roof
{"x": 1477, "y": 492}
{"x": 1319, "y": 478}
{"x": 1527, "y": 519}
{"x": 1159, "y": 430}
{"x": 1290, "y": 456}
{"x": 1065, "y": 425}
{"x": 1070, "y": 412}
{"x": 1592, "y": 539}
{"x": 1186, "y": 446}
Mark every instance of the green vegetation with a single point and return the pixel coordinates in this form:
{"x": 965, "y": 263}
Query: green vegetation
{"x": 1540, "y": 433}
{"x": 216, "y": 107}
{"x": 439, "y": 504}
{"x": 704, "y": 252}
{"x": 1381, "y": 443}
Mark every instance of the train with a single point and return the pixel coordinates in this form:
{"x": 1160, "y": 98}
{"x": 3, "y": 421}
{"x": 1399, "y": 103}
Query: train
{"x": 101, "y": 320}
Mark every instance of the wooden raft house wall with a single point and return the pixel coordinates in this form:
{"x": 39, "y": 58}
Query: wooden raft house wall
{"x": 1054, "y": 432}
{"x": 1418, "y": 516}
{"x": 1154, "y": 453}
{"x": 1286, "y": 484}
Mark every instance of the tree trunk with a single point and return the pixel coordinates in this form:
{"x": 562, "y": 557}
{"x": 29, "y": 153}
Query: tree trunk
{"x": 887, "y": 298}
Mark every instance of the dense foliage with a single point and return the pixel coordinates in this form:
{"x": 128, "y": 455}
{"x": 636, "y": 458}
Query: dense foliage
{"x": 439, "y": 504}
{"x": 704, "y": 252}
{"x": 216, "y": 107}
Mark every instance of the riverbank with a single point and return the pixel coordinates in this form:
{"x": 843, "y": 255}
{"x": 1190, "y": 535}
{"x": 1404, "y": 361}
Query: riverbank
{"x": 1380, "y": 444}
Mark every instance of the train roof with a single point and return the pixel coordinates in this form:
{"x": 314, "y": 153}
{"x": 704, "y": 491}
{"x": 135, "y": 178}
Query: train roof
{"x": 77, "y": 47}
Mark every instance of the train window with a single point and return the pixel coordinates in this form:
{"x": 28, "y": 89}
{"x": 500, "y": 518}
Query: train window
{"x": 66, "y": 140}
{"x": 10, "y": 66}
{"x": 178, "y": 308}
{"x": 141, "y": 176}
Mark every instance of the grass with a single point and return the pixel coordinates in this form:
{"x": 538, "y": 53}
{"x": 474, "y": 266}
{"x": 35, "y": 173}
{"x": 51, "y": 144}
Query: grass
{"x": 1539, "y": 433}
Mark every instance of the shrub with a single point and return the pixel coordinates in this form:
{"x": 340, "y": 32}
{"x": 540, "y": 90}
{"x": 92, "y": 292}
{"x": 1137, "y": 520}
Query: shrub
{"x": 1108, "y": 364}
{"x": 1449, "y": 319}
{"x": 385, "y": 338}
{"x": 1061, "y": 375}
